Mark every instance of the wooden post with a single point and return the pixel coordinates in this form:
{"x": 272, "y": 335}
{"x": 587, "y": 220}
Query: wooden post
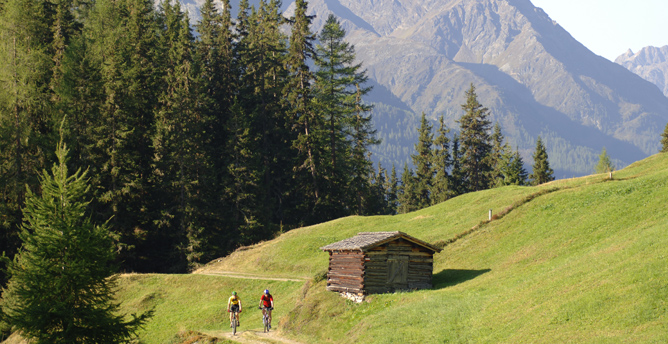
{"x": 490, "y": 214}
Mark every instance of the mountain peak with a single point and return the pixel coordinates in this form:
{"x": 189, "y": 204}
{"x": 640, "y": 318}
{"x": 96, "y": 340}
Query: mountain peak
{"x": 536, "y": 79}
{"x": 650, "y": 63}
{"x": 532, "y": 74}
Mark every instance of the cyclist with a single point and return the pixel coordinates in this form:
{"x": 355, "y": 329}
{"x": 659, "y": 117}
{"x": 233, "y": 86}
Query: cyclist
{"x": 267, "y": 305}
{"x": 234, "y": 305}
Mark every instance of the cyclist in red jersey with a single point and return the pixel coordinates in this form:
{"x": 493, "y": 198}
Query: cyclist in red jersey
{"x": 267, "y": 304}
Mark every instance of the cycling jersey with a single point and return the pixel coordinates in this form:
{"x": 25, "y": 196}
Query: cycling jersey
{"x": 234, "y": 300}
{"x": 266, "y": 300}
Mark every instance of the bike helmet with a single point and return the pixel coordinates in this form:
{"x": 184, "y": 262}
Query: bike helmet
{"x": 234, "y": 293}
{"x": 266, "y": 291}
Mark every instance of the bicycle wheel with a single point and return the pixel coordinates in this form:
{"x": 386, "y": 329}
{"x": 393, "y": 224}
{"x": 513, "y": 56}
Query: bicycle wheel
{"x": 265, "y": 322}
{"x": 234, "y": 324}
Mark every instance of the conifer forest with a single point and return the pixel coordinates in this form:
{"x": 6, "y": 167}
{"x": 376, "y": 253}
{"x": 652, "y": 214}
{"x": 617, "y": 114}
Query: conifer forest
{"x": 198, "y": 139}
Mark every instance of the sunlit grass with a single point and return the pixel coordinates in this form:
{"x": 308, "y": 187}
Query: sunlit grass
{"x": 583, "y": 262}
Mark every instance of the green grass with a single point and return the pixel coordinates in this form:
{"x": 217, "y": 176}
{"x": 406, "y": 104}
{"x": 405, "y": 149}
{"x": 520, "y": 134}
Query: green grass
{"x": 583, "y": 262}
{"x": 195, "y": 303}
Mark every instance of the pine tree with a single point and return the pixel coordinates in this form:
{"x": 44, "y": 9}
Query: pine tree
{"x": 338, "y": 91}
{"x": 408, "y": 198}
{"x": 60, "y": 289}
{"x": 456, "y": 175}
{"x": 184, "y": 174}
{"x": 511, "y": 168}
{"x": 442, "y": 163}
{"x": 244, "y": 189}
{"x": 80, "y": 96}
{"x": 422, "y": 159}
{"x": 218, "y": 81}
{"x": 26, "y": 116}
{"x": 303, "y": 118}
{"x": 475, "y": 143}
{"x": 358, "y": 161}
{"x": 392, "y": 191}
{"x": 519, "y": 175}
{"x": 604, "y": 164}
{"x": 262, "y": 50}
{"x": 542, "y": 173}
{"x": 664, "y": 140}
{"x": 496, "y": 156}
{"x": 375, "y": 199}
{"x": 125, "y": 40}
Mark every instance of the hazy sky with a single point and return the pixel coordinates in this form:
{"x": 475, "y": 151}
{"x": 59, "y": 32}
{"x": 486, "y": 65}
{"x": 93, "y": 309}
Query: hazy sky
{"x": 610, "y": 27}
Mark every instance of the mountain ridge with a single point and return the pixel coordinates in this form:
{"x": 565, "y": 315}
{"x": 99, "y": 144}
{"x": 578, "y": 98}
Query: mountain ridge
{"x": 535, "y": 78}
{"x": 508, "y": 49}
{"x": 650, "y": 63}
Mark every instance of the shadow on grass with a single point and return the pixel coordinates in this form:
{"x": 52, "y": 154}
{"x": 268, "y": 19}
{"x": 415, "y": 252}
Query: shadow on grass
{"x": 450, "y": 277}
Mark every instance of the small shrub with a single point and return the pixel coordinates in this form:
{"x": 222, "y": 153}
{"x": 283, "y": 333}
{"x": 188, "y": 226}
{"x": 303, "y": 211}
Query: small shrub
{"x": 319, "y": 276}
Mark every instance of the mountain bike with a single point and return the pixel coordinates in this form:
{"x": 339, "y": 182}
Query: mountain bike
{"x": 266, "y": 325}
{"x": 235, "y": 322}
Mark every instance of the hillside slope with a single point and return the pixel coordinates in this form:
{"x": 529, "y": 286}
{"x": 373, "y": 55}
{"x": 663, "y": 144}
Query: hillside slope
{"x": 583, "y": 263}
{"x": 581, "y": 260}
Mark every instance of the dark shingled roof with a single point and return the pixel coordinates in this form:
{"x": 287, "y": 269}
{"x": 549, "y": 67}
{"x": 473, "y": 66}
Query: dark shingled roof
{"x": 368, "y": 240}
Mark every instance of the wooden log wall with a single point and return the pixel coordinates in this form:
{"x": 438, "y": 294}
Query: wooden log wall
{"x": 358, "y": 272}
{"x": 375, "y": 272}
{"x": 346, "y": 272}
{"x": 420, "y": 266}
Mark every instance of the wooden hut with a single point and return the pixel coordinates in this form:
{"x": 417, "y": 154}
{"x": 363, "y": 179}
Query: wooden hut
{"x": 380, "y": 262}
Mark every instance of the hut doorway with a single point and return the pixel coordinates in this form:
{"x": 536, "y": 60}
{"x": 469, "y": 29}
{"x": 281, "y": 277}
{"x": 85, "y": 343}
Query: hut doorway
{"x": 397, "y": 272}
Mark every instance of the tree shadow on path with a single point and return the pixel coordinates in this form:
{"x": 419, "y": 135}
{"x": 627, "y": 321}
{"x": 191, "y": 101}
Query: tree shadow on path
{"x": 451, "y": 277}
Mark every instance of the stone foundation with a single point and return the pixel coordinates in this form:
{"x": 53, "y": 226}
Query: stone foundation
{"x": 358, "y": 298}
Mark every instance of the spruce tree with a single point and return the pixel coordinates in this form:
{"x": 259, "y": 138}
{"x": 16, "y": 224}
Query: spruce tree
{"x": 442, "y": 163}
{"x": 80, "y": 95}
{"x": 60, "y": 289}
{"x": 263, "y": 86}
{"x": 408, "y": 198}
{"x": 475, "y": 143}
{"x": 542, "y": 173}
{"x": 125, "y": 40}
{"x": 496, "y": 156}
{"x": 422, "y": 159}
{"x": 374, "y": 200}
{"x": 604, "y": 164}
{"x": 26, "y": 116}
{"x": 392, "y": 191}
{"x": 217, "y": 82}
{"x": 664, "y": 140}
{"x": 456, "y": 174}
{"x": 519, "y": 174}
{"x": 358, "y": 160}
{"x": 511, "y": 168}
{"x": 339, "y": 88}
{"x": 243, "y": 191}
{"x": 306, "y": 122}
{"x": 184, "y": 174}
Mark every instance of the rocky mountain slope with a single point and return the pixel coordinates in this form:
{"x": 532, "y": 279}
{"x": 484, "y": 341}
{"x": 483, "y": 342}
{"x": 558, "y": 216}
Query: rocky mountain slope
{"x": 533, "y": 75}
{"x": 535, "y": 78}
{"x": 650, "y": 63}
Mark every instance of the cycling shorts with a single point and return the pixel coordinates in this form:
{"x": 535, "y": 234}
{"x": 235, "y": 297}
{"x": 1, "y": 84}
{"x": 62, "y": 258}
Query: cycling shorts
{"x": 234, "y": 308}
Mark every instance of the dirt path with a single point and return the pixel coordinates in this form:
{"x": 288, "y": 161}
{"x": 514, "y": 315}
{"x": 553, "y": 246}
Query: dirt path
{"x": 253, "y": 337}
{"x": 233, "y": 274}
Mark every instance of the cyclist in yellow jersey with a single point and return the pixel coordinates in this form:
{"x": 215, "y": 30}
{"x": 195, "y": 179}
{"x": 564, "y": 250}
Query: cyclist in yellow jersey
{"x": 234, "y": 305}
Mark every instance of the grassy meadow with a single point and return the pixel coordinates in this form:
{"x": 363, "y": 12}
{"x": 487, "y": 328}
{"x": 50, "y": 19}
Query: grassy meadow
{"x": 573, "y": 261}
